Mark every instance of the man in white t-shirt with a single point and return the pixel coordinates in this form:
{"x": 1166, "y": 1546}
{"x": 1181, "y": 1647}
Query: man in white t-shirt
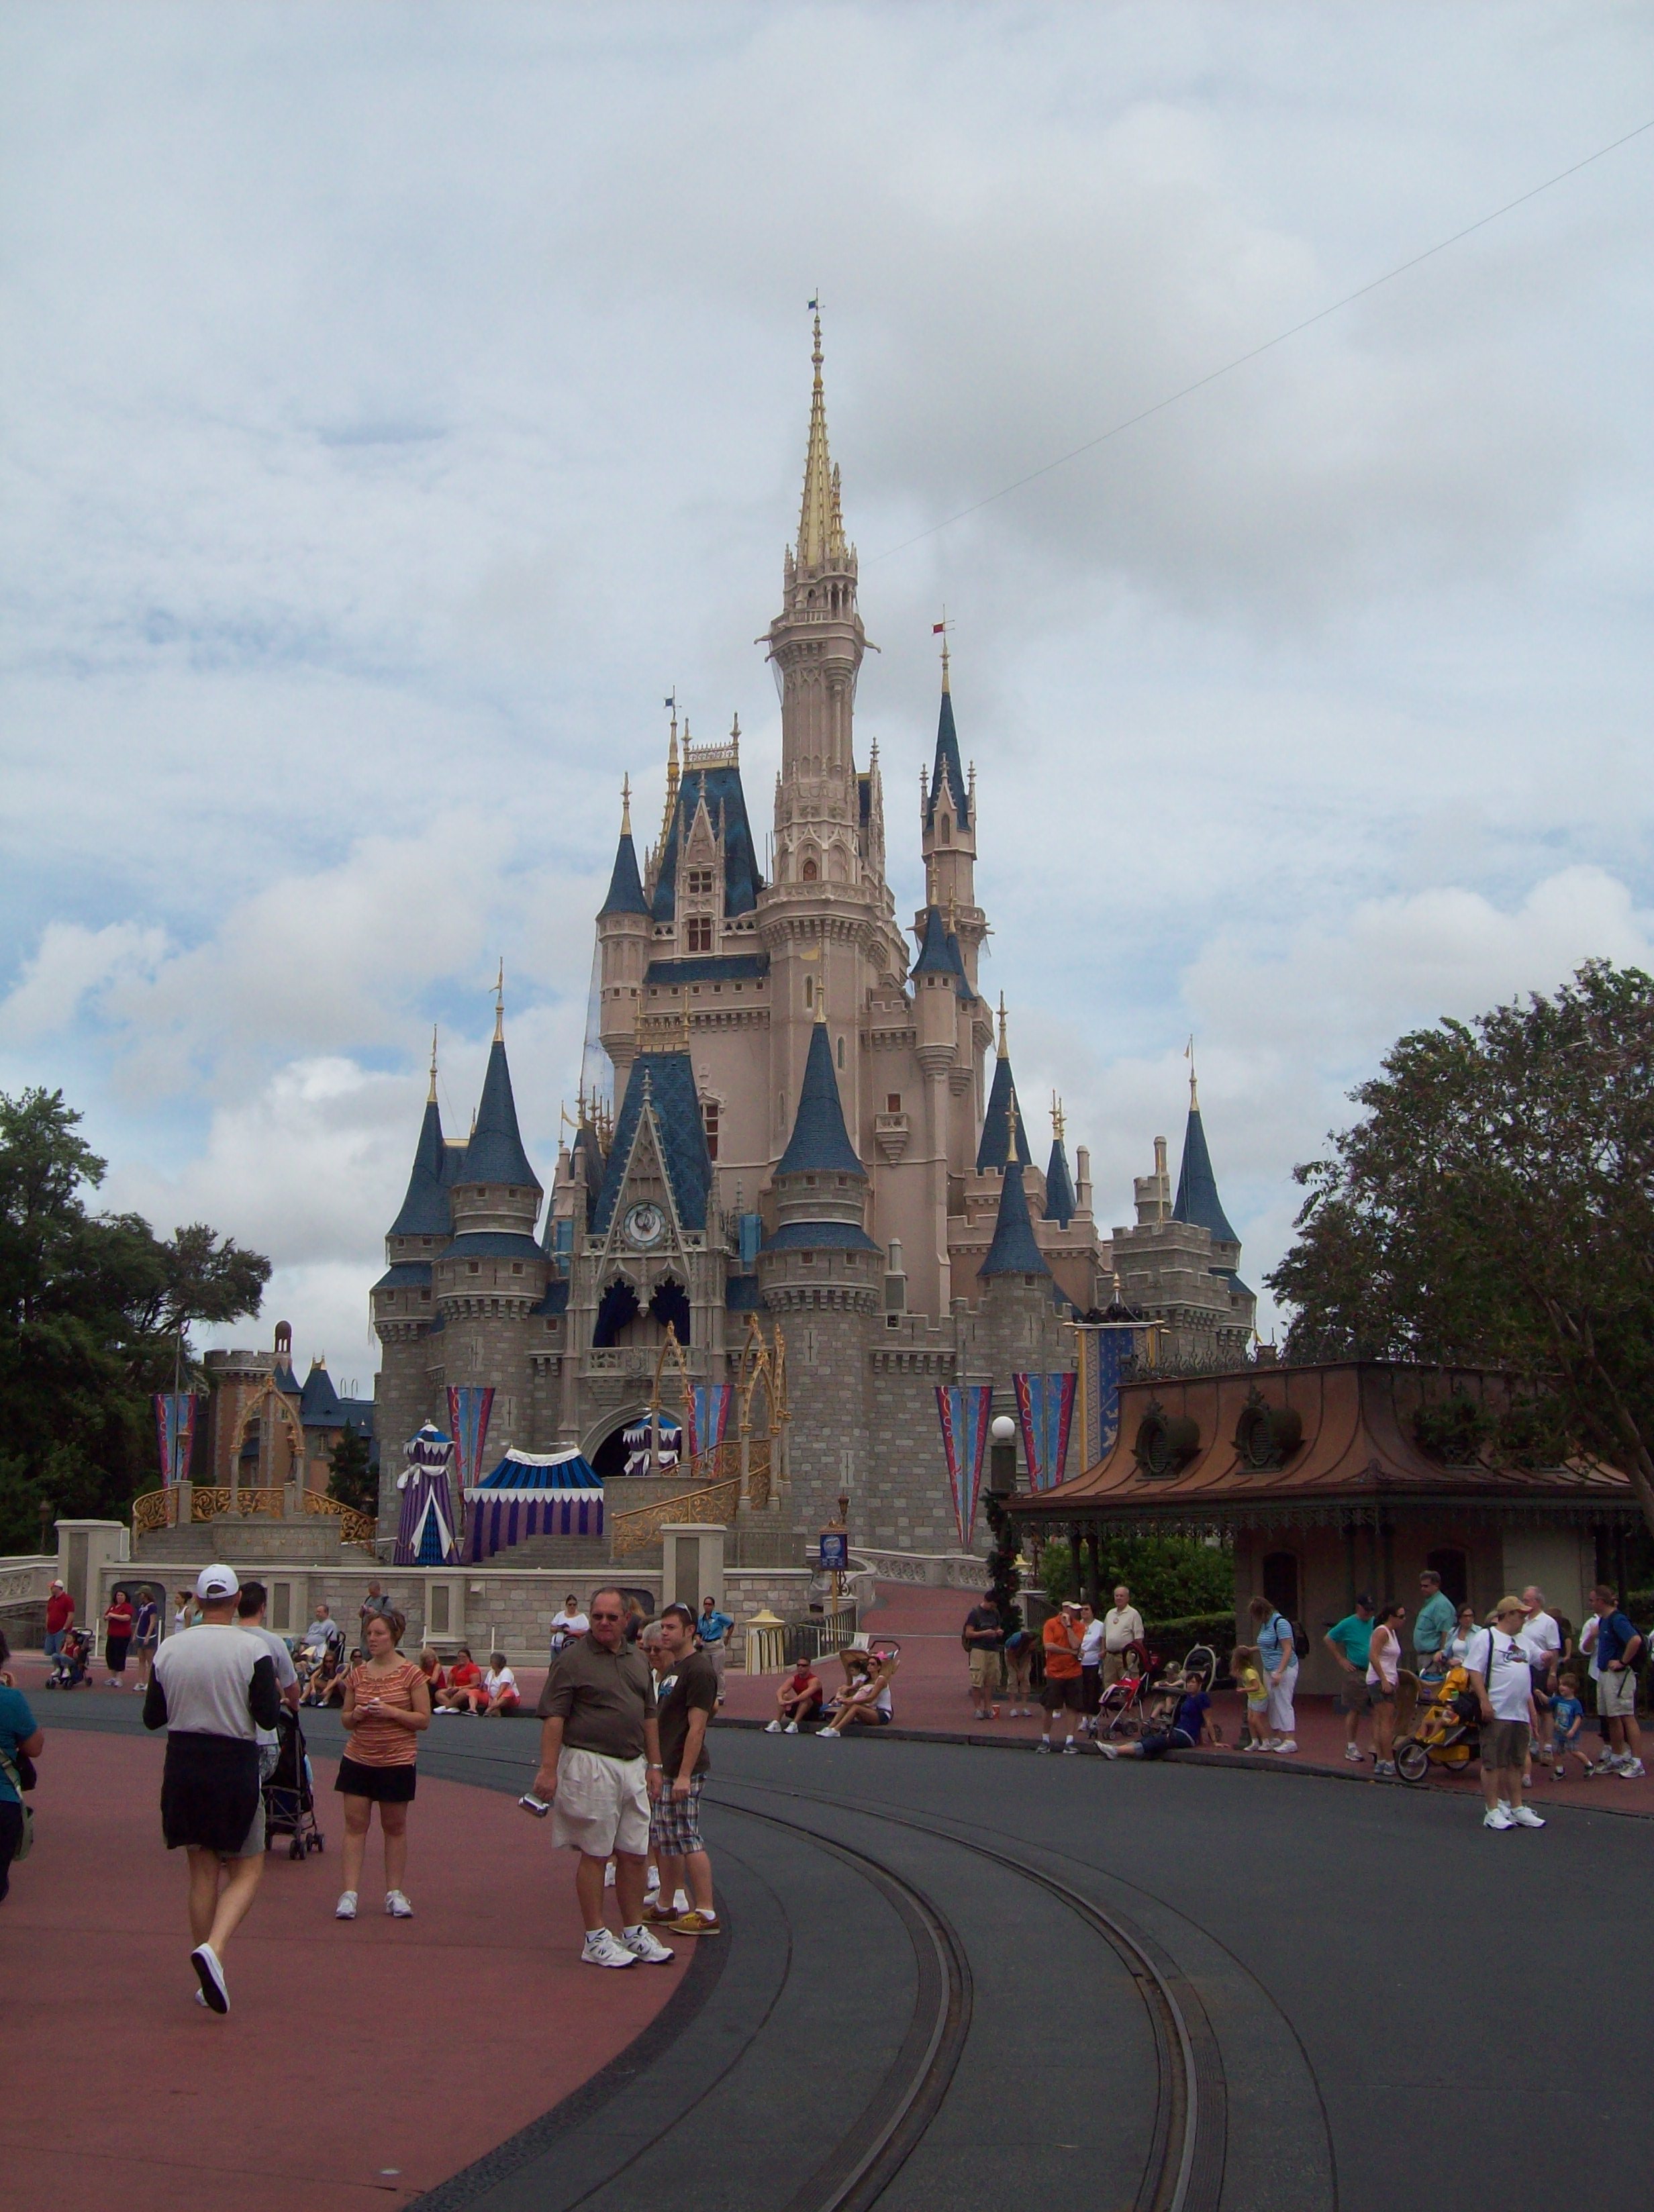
{"x": 1496, "y": 1659}
{"x": 1122, "y": 1627}
{"x": 250, "y": 1619}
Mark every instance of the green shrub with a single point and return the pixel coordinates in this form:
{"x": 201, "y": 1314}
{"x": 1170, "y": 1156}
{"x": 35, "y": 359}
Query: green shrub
{"x": 1169, "y": 1577}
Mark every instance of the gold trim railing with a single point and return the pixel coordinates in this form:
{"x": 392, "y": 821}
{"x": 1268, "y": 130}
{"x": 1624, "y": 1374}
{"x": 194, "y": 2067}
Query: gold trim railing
{"x": 354, "y": 1528}
{"x": 158, "y": 1509}
{"x": 758, "y": 1465}
{"x": 209, "y": 1500}
{"x": 635, "y": 1531}
{"x": 153, "y": 1512}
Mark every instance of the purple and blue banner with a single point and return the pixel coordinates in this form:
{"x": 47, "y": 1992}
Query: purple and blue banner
{"x": 175, "y": 1412}
{"x": 1045, "y": 1408}
{"x": 964, "y": 1410}
{"x": 1103, "y": 1352}
{"x": 425, "y": 1529}
{"x": 711, "y": 1416}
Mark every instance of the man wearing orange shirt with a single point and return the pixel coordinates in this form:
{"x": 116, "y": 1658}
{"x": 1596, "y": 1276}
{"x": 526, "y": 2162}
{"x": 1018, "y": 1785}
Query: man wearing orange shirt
{"x": 1063, "y": 1691}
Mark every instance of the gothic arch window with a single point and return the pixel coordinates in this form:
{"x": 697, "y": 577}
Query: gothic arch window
{"x": 809, "y": 995}
{"x": 710, "y": 1123}
{"x": 841, "y": 1052}
{"x": 944, "y": 831}
{"x": 810, "y": 871}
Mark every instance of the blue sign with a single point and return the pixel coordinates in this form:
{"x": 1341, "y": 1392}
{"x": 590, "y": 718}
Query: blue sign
{"x": 835, "y": 1552}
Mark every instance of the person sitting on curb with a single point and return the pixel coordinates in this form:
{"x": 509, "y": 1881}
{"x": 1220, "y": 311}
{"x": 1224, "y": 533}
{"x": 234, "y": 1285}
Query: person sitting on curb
{"x": 798, "y": 1699}
{"x": 500, "y": 1698}
{"x": 465, "y": 1693}
{"x": 866, "y": 1700}
{"x": 1190, "y": 1728}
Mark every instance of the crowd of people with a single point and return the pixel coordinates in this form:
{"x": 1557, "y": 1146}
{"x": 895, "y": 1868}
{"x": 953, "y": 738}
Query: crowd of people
{"x": 1516, "y": 1677}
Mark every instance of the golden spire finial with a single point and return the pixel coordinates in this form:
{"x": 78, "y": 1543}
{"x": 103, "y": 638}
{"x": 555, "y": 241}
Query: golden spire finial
{"x": 1193, "y": 1093}
{"x": 821, "y": 532}
{"x": 1011, "y": 1119}
{"x": 940, "y": 629}
{"x": 1056, "y": 1117}
{"x": 431, "y": 1096}
{"x": 821, "y": 995}
{"x": 626, "y": 806}
{"x": 735, "y": 735}
{"x": 1004, "y": 1050}
{"x": 499, "y": 1003}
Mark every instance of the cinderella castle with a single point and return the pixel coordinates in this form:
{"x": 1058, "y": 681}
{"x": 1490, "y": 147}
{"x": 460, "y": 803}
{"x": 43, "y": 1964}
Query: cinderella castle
{"x": 812, "y": 1120}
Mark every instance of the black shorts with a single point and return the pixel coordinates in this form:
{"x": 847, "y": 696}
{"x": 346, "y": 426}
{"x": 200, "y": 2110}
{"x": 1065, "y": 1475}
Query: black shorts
{"x": 386, "y": 1785}
{"x": 115, "y": 1649}
{"x": 1155, "y": 1743}
{"x": 1056, "y": 1695}
{"x": 209, "y": 1793}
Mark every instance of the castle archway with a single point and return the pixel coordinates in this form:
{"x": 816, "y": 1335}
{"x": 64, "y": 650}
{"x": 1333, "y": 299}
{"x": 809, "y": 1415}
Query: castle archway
{"x": 618, "y": 1447}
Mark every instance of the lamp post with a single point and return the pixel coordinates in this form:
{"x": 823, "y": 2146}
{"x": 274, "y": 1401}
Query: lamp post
{"x": 1003, "y": 1577}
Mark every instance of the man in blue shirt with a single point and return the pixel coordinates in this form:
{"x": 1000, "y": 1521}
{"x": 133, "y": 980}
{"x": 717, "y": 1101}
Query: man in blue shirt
{"x": 18, "y": 1735}
{"x": 1350, "y": 1642}
{"x": 1432, "y": 1624}
{"x": 713, "y": 1628}
{"x": 1619, "y": 1648}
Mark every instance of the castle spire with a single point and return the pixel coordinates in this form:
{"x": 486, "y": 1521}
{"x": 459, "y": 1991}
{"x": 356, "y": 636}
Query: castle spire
{"x": 821, "y": 528}
{"x": 626, "y": 804}
{"x": 1004, "y": 1050}
{"x": 1004, "y": 1135}
{"x": 499, "y": 1003}
{"x": 431, "y": 1096}
{"x": 1197, "y": 1199}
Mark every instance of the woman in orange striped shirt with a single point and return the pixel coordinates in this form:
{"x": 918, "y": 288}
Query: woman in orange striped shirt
{"x": 387, "y": 1702}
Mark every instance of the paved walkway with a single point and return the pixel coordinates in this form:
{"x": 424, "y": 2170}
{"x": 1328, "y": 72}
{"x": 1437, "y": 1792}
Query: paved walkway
{"x": 471, "y": 2019}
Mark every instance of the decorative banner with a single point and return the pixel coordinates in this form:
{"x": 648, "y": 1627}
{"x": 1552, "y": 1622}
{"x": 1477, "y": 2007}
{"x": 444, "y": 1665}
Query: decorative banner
{"x": 964, "y": 1412}
{"x": 469, "y": 1408}
{"x": 425, "y": 1530}
{"x": 710, "y": 1417}
{"x": 175, "y": 1415}
{"x": 555, "y": 1494}
{"x": 637, "y": 1441}
{"x": 1103, "y": 1352}
{"x": 1045, "y": 1406}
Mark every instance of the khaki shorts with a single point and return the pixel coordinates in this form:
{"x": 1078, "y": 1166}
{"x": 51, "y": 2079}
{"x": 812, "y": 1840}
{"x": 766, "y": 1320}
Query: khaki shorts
{"x": 1616, "y": 1694}
{"x": 1114, "y": 1666}
{"x": 602, "y": 1805}
{"x": 984, "y": 1669}
{"x": 1504, "y": 1743}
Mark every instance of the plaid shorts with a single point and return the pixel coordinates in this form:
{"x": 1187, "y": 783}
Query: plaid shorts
{"x": 675, "y": 1822}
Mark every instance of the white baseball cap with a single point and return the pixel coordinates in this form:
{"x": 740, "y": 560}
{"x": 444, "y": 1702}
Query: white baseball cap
{"x": 219, "y": 1582}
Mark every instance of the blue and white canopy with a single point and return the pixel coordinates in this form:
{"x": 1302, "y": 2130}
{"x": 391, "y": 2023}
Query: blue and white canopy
{"x": 533, "y": 1494}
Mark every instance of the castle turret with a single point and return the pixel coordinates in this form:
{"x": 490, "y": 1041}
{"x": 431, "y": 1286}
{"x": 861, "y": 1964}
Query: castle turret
{"x": 1197, "y": 1199}
{"x": 1003, "y": 1133}
{"x": 948, "y": 835}
{"x": 1061, "y": 1205}
{"x": 624, "y": 930}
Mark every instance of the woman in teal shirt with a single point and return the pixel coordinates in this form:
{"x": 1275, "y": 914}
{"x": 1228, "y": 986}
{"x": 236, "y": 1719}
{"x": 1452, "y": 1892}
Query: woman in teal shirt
{"x": 19, "y": 1737}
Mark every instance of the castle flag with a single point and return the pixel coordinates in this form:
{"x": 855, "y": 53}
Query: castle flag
{"x": 1103, "y": 1351}
{"x": 964, "y": 1410}
{"x": 711, "y": 1416}
{"x": 469, "y": 1408}
{"x": 1045, "y": 1408}
{"x": 175, "y": 1412}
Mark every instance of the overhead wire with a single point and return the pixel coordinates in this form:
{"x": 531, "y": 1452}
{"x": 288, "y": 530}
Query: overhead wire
{"x": 1280, "y": 337}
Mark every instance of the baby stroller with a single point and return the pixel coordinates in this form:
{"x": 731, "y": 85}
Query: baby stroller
{"x": 71, "y": 1665}
{"x": 1445, "y": 1730}
{"x": 289, "y": 1795}
{"x": 1119, "y": 1708}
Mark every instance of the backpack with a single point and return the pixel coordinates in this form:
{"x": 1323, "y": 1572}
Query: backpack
{"x": 1300, "y": 1634}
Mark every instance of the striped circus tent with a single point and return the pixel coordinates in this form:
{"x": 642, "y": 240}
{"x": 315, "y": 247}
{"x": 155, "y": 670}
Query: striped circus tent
{"x": 530, "y": 1494}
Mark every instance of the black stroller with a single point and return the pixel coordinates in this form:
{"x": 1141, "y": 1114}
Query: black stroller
{"x": 289, "y": 1795}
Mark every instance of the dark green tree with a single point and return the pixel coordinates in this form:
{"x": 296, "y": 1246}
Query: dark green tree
{"x": 94, "y": 1309}
{"x": 1495, "y": 1208}
{"x": 351, "y": 1480}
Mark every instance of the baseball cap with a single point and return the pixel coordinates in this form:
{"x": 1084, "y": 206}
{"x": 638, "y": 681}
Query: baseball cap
{"x": 215, "y": 1583}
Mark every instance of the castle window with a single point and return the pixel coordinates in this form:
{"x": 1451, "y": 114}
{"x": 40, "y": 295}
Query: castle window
{"x": 811, "y": 871}
{"x": 699, "y": 933}
{"x": 809, "y": 993}
{"x": 806, "y": 1259}
{"x": 892, "y": 1101}
{"x": 697, "y": 883}
{"x": 473, "y": 1266}
{"x": 944, "y": 831}
{"x": 841, "y": 1052}
{"x": 710, "y": 1123}
{"x": 425, "y": 1242}
{"x": 516, "y": 1267}
{"x": 426, "y": 1296}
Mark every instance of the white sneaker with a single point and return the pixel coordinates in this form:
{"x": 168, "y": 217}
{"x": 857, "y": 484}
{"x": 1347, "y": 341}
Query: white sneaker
{"x": 1286, "y": 1743}
{"x": 215, "y": 1995}
{"x": 1498, "y": 1818}
{"x": 1525, "y": 1817}
{"x": 1632, "y": 1770}
{"x": 824, "y": 1735}
{"x": 1071, "y": 1749}
{"x": 648, "y": 1948}
{"x": 603, "y": 1949}
{"x": 773, "y": 1728}
{"x": 1353, "y": 1753}
{"x": 792, "y": 1728}
{"x": 398, "y": 1905}
{"x": 346, "y": 1907}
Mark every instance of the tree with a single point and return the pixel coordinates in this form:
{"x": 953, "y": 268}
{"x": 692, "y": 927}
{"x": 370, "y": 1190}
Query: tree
{"x": 92, "y": 1307}
{"x": 351, "y": 1480}
{"x": 1496, "y": 1209}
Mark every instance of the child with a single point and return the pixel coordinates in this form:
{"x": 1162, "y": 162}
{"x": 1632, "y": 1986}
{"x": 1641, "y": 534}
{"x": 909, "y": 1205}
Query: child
{"x": 1247, "y": 1668}
{"x": 1019, "y": 1672}
{"x": 1568, "y": 1722}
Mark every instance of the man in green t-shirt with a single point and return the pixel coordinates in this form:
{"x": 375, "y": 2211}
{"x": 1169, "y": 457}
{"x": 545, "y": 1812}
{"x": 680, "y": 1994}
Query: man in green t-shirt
{"x": 1350, "y": 1642}
{"x": 1434, "y": 1622}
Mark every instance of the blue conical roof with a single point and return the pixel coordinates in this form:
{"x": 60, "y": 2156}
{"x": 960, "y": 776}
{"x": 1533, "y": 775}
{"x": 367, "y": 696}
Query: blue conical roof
{"x": 1059, "y": 1187}
{"x": 319, "y": 1407}
{"x": 1197, "y": 1200}
{"x": 995, "y": 1145}
{"x": 934, "y": 958}
{"x": 948, "y": 774}
{"x": 820, "y": 1144}
{"x": 496, "y": 1152}
{"x": 425, "y": 1208}
{"x": 1013, "y": 1251}
{"x": 625, "y": 884}
{"x": 667, "y": 1080}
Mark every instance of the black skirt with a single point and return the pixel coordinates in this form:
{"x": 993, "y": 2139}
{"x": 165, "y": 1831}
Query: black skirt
{"x": 115, "y": 1653}
{"x": 209, "y": 1792}
{"x": 386, "y": 1785}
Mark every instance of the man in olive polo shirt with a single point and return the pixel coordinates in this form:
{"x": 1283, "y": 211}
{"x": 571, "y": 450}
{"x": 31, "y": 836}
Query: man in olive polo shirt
{"x": 597, "y": 1711}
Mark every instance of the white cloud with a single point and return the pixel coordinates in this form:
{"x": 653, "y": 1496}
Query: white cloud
{"x": 70, "y": 964}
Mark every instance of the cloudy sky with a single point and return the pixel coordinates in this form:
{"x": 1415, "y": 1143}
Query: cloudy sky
{"x": 399, "y": 400}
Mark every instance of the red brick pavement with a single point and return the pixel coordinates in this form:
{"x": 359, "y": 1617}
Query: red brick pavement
{"x": 475, "y": 2017}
